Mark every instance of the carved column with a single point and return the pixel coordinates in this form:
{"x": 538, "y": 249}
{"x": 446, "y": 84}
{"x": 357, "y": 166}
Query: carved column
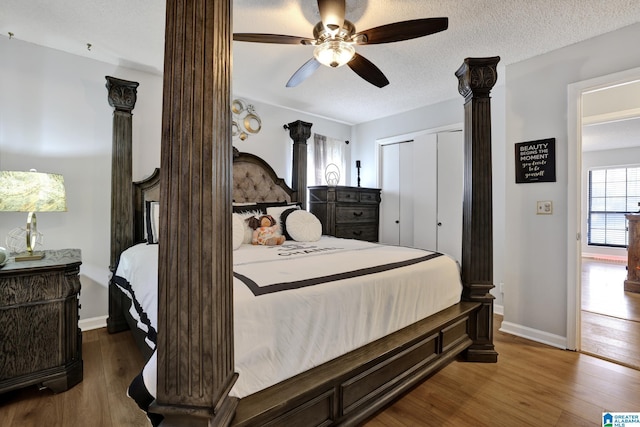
{"x": 476, "y": 78}
{"x": 122, "y": 97}
{"x": 300, "y": 132}
{"x": 195, "y": 323}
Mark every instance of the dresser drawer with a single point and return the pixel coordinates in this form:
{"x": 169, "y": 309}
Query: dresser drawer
{"x": 346, "y": 195}
{"x": 357, "y": 196}
{"x": 356, "y": 214}
{"x": 360, "y": 232}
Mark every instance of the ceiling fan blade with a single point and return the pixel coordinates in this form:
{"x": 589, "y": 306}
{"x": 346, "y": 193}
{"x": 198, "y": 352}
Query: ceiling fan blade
{"x": 365, "y": 69}
{"x": 399, "y": 31}
{"x": 303, "y": 72}
{"x": 270, "y": 38}
{"x": 332, "y": 13}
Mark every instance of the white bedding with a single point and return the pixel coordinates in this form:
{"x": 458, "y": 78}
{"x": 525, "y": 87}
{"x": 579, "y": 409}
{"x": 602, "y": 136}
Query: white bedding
{"x": 280, "y": 334}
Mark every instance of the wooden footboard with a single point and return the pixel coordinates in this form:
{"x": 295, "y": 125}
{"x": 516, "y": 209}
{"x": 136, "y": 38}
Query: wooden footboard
{"x": 351, "y": 388}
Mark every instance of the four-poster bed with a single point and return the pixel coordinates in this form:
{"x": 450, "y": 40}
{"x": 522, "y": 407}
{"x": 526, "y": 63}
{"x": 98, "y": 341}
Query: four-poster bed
{"x": 195, "y": 185}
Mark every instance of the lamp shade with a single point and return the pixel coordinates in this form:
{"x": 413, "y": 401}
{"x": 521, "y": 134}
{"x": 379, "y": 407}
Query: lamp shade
{"x": 32, "y": 192}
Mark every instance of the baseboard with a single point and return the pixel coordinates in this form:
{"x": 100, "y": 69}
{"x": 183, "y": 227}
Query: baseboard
{"x": 498, "y": 309}
{"x": 93, "y": 323}
{"x": 534, "y": 335}
{"x": 606, "y": 257}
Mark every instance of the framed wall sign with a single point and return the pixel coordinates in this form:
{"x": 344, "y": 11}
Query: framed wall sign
{"x": 536, "y": 161}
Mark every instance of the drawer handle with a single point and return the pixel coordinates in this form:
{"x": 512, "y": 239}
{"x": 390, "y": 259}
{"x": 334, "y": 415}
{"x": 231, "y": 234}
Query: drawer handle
{"x": 358, "y": 214}
{"x": 357, "y": 233}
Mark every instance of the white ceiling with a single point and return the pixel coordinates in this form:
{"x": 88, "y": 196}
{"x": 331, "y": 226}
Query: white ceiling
{"x": 130, "y": 33}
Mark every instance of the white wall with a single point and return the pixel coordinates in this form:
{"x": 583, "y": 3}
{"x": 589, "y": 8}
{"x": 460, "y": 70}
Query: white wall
{"x": 431, "y": 117}
{"x": 55, "y": 117}
{"x": 535, "y": 297}
{"x": 595, "y": 160}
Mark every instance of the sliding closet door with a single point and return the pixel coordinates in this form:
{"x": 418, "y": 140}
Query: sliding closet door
{"x": 397, "y": 214}
{"x": 450, "y": 193}
{"x": 426, "y": 189}
{"x": 390, "y": 195}
{"x": 408, "y": 187}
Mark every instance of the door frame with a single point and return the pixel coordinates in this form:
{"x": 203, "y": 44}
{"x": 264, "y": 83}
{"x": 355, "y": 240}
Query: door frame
{"x": 574, "y": 193}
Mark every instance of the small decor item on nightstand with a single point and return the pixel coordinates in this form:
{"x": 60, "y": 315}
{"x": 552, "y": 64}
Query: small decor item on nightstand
{"x": 31, "y": 192}
{"x": 332, "y": 174}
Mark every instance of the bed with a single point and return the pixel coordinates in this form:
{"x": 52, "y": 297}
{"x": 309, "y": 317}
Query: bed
{"x": 196, "y": 372}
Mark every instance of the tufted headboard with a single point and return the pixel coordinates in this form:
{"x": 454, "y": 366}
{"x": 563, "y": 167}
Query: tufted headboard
{"x": 255, "y": 181}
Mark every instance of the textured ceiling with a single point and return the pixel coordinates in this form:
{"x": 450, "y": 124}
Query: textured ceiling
{"x": 130, "y": 33}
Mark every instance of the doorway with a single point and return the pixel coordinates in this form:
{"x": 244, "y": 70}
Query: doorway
{"x": 597, "y": 271}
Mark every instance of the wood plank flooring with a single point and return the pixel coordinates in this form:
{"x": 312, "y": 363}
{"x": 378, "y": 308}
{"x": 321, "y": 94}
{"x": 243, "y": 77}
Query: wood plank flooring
{"x": 610, "y": 317}
{"x": 531, "y": 385}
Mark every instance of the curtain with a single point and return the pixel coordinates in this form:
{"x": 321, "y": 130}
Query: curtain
{"x": 326, "y": 158}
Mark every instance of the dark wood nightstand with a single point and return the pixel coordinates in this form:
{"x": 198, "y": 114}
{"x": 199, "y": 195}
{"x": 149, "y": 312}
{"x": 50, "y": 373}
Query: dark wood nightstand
{"x": 40, "y": 342}
{"x": 348, "y": 212}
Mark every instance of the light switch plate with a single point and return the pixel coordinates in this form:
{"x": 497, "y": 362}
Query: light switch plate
{"x": 545, "y": 207}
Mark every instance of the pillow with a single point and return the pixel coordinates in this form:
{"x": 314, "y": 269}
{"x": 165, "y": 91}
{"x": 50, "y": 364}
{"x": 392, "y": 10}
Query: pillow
{"x": 238, "y": 231}
{"x": 152, "y": 221}
{"x": 253, "y": 206}
{"x": 244, "y": 207}
{"x": 248, "y": 232}
{"x": 276, "y": 213}
{"x": 303, "y": 226}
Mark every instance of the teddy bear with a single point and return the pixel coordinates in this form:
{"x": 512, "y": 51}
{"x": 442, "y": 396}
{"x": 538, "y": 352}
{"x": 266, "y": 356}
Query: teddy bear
{"x": 265, "y": 231}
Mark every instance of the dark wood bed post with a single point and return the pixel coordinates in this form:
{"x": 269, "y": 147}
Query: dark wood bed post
{"x": 195, "y": 307}
{"x": 300, "y": 132}
{"x": 122, "y": 97}
{"x": 476, "y": 78}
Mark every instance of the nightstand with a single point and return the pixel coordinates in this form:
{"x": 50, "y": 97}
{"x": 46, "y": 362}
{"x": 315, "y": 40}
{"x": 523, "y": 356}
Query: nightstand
{"x": 40, "y": 342}
{"x": 347, "y": 212}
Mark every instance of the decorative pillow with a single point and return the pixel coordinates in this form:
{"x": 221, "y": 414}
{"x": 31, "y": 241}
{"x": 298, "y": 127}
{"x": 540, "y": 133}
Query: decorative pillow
{"x": 303, "y": 226}
{"x": 248, "y": 232}
{"x": 244, "y": 207}
{"x": 152, "y": 221}
{"x": 238, "y": 231}
{"x": 276, "y": 213}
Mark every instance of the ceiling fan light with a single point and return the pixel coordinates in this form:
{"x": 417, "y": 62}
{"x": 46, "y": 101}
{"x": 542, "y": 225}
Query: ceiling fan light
{"x": 334, "y": 53}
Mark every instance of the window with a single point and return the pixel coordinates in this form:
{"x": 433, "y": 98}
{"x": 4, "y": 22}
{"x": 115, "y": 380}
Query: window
{"x": 321, "y": 153}
{"x": 612, "y": 194}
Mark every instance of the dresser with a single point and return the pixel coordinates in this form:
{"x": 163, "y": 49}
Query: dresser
{"x": 347, "y": 212}
{"x": 40, "y": 342}
{"x": 632, "y": 284}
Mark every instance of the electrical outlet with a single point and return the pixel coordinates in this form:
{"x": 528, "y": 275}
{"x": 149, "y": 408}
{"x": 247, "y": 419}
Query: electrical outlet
{"x": 502, "y": 288}
{"x": 544, "y": 207}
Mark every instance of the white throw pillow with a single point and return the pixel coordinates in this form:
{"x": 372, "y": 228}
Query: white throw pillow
{"x": 276, "y": 213}
{"x": 238, "y": 231}
{"x": 248, "y": 232}
{"x": 303, "y": 226}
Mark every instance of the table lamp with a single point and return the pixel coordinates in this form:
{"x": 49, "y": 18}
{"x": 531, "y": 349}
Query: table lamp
{"x": 31, "y": 192}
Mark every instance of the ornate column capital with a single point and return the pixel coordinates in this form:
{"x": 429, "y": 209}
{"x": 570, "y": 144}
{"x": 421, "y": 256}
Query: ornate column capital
{"x": 122, "y": 93}
{"x": 299, "y": 131}
{"x": 477, "y": 76}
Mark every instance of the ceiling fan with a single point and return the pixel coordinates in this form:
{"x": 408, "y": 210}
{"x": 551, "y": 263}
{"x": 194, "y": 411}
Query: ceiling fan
{"x": 334, "y": 38}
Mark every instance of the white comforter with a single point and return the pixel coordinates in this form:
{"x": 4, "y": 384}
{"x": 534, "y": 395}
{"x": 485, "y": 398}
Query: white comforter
{"x": 280, "y": 334}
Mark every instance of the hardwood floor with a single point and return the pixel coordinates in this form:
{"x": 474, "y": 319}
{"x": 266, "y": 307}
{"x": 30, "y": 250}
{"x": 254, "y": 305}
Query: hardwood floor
{"x": 100, "y": 400}
{"x": 610, "y": 317}
{"x": 531, "y": 385}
